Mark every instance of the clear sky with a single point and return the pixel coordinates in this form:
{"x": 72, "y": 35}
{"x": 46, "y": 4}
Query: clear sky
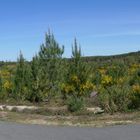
{"x": 103, "y": 27}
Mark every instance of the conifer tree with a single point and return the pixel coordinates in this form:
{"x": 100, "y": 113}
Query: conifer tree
{"x": 22, "y": 79}
{"x": 77, "y": 82}
{"x": 36, "y": 95}
{"x": 50, "y": 56}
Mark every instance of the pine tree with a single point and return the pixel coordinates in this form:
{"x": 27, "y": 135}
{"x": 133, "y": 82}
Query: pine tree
{"x": 22, "y": 79}
{"x": 35, "y": 95}
{"x": 77, "y": 82}
{"x": 50, "y": 56}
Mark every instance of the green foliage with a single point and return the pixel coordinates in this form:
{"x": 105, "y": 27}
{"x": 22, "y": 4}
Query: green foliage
{"x": 22, "y": 79}
{"x": 115, "y": 98}
{"x": 50, "y": 59}
{"x": 77, "y": 82}
{"x": 135, "y": 96}
{"x": 135, "y": 78}
{"x": 75, "y": 104}
{"x": 117, "y": 70}
{"x": 35, "y": 94}
{"x": 115, "y": 79}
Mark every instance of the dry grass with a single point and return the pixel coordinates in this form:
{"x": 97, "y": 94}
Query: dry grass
{"x": 93, "y": 120}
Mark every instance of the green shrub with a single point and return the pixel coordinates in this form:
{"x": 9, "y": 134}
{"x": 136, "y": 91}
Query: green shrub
{"x": 75, "y": 104}
{"x": 135, "y": 104}
{"x": 115, "y": 98}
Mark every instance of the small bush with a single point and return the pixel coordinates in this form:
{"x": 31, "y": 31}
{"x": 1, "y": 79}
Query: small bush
{"x": 135, "y": 104}
{"x": 115, "y": 98}
{"x": 75, "y": 104}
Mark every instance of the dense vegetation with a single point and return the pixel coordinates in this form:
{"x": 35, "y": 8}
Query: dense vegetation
{"x": 112, "y": 82}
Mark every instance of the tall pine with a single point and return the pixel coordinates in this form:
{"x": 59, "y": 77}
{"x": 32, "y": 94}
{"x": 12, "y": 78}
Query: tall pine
{"x": 36, "y": 94}
{"x": 50, "y": 56}
{"x": 77, "y": 82}
{"x": 22, "y": 79}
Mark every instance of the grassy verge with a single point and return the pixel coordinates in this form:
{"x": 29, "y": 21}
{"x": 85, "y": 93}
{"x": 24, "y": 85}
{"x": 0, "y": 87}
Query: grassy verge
{"x": 99, "y": 120}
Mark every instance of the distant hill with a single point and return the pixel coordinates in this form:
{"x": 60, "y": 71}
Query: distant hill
{"x": 127, "y": 57}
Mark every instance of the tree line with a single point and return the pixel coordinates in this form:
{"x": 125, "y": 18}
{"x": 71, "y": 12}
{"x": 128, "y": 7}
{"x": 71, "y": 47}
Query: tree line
{"x": 114, "y": 86}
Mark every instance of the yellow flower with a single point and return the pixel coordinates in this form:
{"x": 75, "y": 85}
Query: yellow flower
{"x": 102, "y": 71}
{"x": 5, "y": 73}
{"x": 7, "y": 85}
{"x": 133, "y": 68}
{"x": 67, "y": 88}
{"x": 136, "y": 88}
{"x": 75, "y": 79}
{"x": 87, "y": 86}
{"x": 106, "y": 80}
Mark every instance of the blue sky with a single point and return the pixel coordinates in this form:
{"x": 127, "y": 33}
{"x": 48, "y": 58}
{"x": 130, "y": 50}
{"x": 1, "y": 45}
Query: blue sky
{"x": 102, "y": 27}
